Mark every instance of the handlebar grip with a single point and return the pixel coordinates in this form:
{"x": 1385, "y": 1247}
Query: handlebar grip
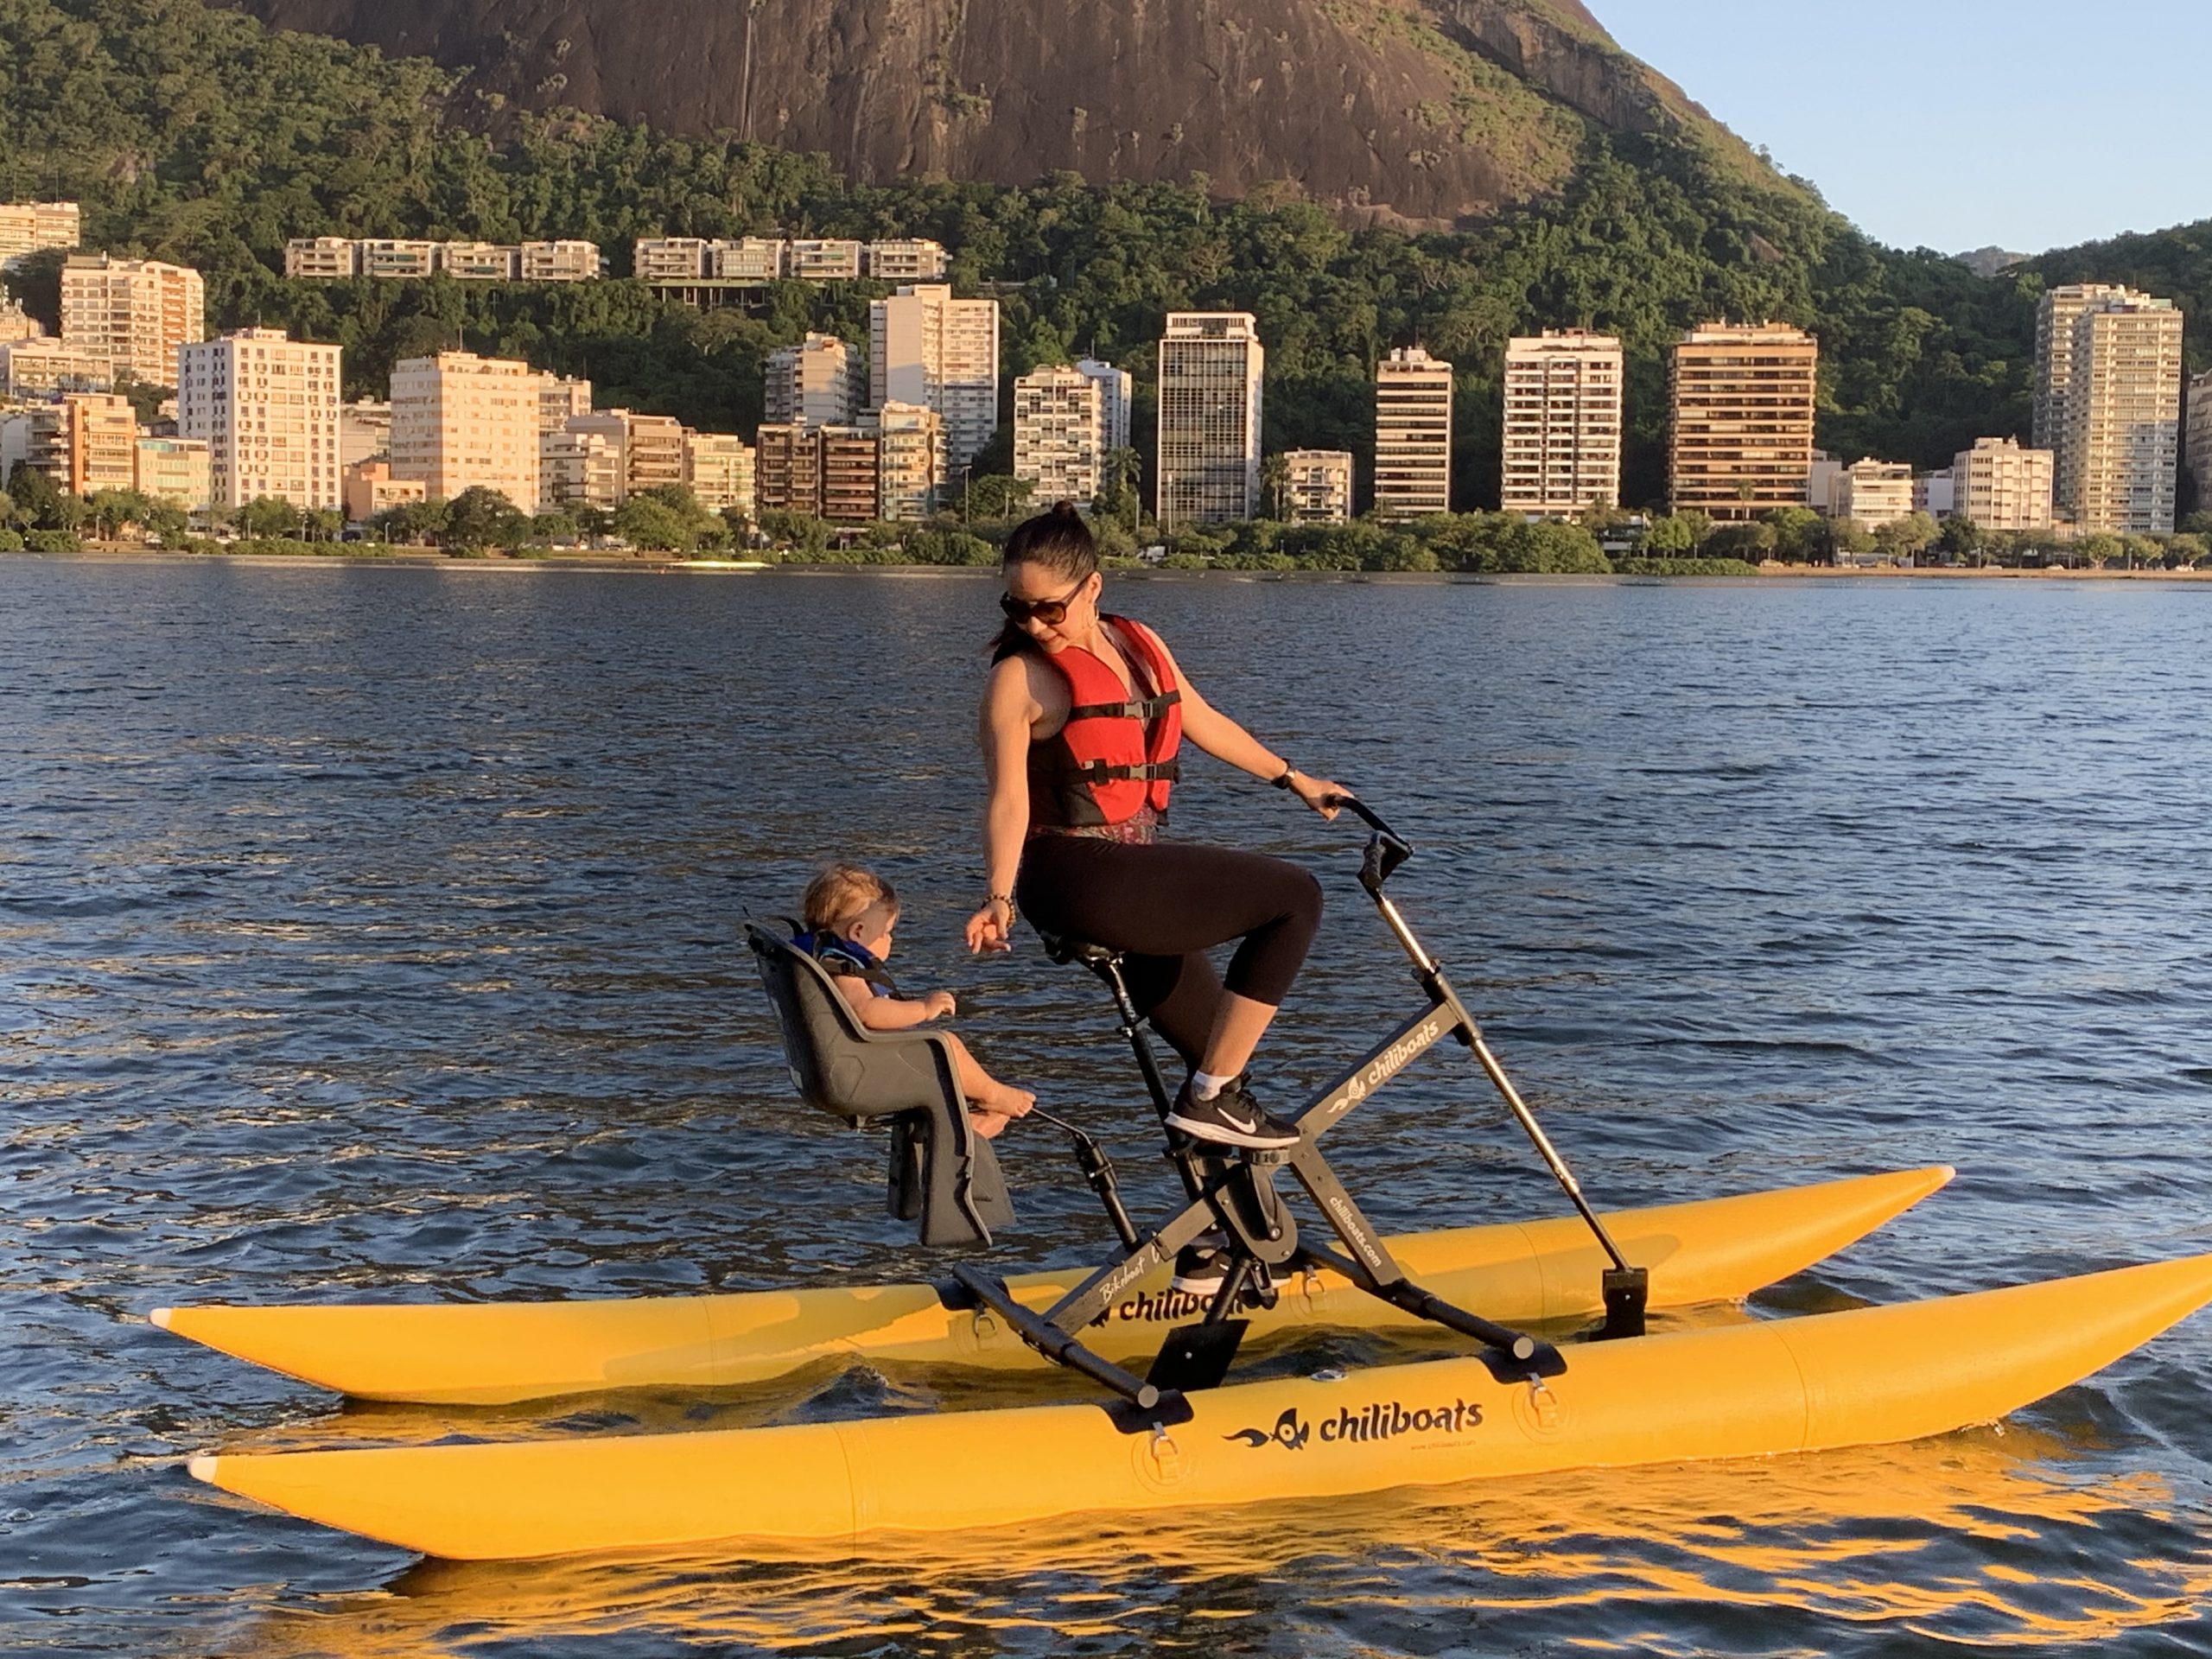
{"x": 1360, "y": 810}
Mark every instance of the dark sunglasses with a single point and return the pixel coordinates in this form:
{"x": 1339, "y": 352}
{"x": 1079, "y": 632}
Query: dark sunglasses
{"x": 1050, "y": 611}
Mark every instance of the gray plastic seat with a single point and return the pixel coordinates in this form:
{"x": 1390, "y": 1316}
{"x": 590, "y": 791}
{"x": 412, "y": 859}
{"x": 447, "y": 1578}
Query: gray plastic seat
{"x": 943, "y": 1175}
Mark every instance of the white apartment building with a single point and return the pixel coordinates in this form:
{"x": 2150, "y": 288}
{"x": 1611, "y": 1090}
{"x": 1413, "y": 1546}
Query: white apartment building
{"x": 1562, "y": 436}
{"x": 926, "y": 347}
{"x": 480, "y": 261}
{"x": 718, "y": 465}
{"x": 815, "y": 383}
{"x": 909, "y": 460}
{"x": 2116, "y": 466}
{"x": 2055, "y": 315}
{"x": 461, "y": 421}
{"x": 1871, "y": 494}
{"x": 177, "y": 471}
{"x": 1210, "y": 365}
{"x": 2200, "y": 436}
{"x": 16, "y": 323}
{"x": 1413, "y": 435}
{"x": 134, "y": 311}
{"x": 39, "y": 367}
{"x": 1114, "y": 387}
{"x": 397, "y": 258}
{"x": 649, "y": 449}
{"x": 559, "y": 397}
{"x": 1999, "y": 486}
{"x": 363, "y": 430}
{"x": 817, "y": 260}
{"x": 915, "y": 260}
{"x": 322, "y": 259}
{"x": 570, "y": 260}
{"x": 1059, "y": 434}
{"x": 1316, "y": 486}
{"x": 267, "y": 407}
{"x": 30, "y": 226}
{"x": 579, "y": 469}
{"x": 670, "y": 258}
{"x": 749, "y": 259}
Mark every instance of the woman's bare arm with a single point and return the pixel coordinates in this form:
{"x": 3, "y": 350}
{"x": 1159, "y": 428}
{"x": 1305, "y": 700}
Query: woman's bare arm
{"x": 1010, "y": 708}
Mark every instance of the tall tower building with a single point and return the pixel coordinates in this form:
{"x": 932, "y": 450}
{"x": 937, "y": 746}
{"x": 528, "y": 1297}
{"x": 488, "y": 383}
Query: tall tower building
{"x": 1060, "y": 442}
{"x": 651, "y": 447}
{"x": 1743, "y": 419}
{"x": 910, "y": 460}
{"x": 134, "y": 311}
{"x": 267, "y": 407}
{"x": 1562, "y": 424}
{"x": 461, "y": 421}
{"x": 2121, "y": 435}
{"x": 928, "y": 348}
{"x": 2055, "y": 315}
{"x": 1413, "y": 435}
{"x": 1210, "y": 364}
{"x": 815, "y": 383}
{"x": 1999, "y": 486}
{"x": 1113, "y": 401}
{"x": 718, "y": 465}
{"x": 2200, "y": 436}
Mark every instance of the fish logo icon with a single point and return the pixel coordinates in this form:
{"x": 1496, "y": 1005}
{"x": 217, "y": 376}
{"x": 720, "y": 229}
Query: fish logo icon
{"x": 1290, "y": 1431}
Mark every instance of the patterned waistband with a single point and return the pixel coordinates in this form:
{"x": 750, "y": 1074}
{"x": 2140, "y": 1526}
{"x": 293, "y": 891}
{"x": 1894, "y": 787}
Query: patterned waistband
{"x": 1139, "y": 831}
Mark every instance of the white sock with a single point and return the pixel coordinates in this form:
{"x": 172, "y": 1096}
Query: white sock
{"x": 1204, "y": 1085}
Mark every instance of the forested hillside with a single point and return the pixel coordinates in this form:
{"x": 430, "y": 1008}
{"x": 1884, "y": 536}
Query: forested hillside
{"x": 199, "y": 135}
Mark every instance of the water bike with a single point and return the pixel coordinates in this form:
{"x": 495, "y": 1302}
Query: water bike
{"x": 1179, "y": 1432}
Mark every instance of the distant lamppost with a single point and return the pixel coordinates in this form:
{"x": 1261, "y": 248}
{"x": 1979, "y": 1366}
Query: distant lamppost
{"x": 966, "y": 467}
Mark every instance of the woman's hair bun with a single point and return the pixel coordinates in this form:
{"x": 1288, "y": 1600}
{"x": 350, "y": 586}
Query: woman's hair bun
{"x": 1064, "y": 510}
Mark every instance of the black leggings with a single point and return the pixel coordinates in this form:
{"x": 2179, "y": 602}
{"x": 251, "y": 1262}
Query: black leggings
{"x": 1164, "y": 905}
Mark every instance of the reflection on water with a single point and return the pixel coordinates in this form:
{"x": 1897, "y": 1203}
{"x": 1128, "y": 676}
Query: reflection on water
{"x": 374, "y": 933}
{"x": 1977, "y": 1538}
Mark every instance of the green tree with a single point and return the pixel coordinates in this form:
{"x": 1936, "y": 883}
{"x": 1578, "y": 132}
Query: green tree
{"x": 1668, "y": 537}
{"x": 480, "y": 519}
{"x": 1849, "y": 542}
{"x": 997, "y": 496}
{"x": 269, "y": 515}
{"x": 1800, "y": 534}
{"x": 1119, "y": 497}
{"x": 109, "y": 512}
{"x": 1749, "y": 541}
{"x": 1905, "y": 538}
{"x": 1963, "y": 540}
{"x": 2101, "y": 549}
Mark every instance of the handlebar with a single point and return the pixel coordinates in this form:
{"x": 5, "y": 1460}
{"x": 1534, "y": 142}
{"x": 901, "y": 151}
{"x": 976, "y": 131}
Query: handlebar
{"x": 1386, "y": 848}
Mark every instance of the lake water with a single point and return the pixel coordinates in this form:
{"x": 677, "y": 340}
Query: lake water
{"x": 373, "y": 933}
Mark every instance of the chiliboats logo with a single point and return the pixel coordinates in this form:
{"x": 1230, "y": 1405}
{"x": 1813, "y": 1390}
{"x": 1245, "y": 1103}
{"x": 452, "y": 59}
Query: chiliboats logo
{"x": 1382, "y": 1420}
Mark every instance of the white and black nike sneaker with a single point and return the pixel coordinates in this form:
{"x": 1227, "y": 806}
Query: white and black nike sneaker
{"x": 1202, "y": 1269}
{"x": 1231, "y": 1118}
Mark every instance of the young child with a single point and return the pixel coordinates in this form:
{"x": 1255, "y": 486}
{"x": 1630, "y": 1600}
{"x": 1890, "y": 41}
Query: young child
{"x": 849, "y": 916}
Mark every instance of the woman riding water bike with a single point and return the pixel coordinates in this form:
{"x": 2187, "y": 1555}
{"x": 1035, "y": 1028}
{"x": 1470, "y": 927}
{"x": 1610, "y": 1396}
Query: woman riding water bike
{"x": 1082, "y": 717}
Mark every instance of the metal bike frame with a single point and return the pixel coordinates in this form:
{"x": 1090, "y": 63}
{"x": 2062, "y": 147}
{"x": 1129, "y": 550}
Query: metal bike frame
{"x": 1237, "y": 1194}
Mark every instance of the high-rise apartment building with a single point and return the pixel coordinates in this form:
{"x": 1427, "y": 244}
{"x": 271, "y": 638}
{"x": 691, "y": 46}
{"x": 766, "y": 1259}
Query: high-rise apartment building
{"x": 1316, "y": 486}
{"x": 926, "y": 347}
{"x": 363, "y": 430}
{"x": 267, "y": 407}
{"x": 910, "y": 460}
{"x": 787, "y": 469}
{"x": 2120, "y": 438}
{"x": 1999, "y": 486}
{"x": 2055, "y": 315}
{"x": 718, "y": 468}
{"x": 461, "y": 421}
{"x": 815, "y": 383}
{"x": 85, "y": 441}
{"x": 1562, "y": 438}
{"x": 1743, "y": 419}
{"x": 2200, "y": 436}
{"x": 1113, "y": 401}
{"x": 833, "y": 473}
{"x": 1871, "y": 494}
{"x": 1059, "y": 434}
{"x": 29, "y": 226}
{"x": 1211, "y": 364}
{"x": 1413, "y": 435}
{"x": 179, "y": 471}
{"x": 134, "y": 311}
{"x": 852, "y": 475}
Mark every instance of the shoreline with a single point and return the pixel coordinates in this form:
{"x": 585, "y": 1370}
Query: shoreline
{"x": 608, "y": 564}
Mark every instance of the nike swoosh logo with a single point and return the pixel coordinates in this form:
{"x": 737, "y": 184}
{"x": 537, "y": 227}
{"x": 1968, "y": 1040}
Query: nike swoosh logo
{"x": 1235, "y": 1123}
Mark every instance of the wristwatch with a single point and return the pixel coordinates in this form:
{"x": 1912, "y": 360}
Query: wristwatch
{"x": 1289, "y": 772}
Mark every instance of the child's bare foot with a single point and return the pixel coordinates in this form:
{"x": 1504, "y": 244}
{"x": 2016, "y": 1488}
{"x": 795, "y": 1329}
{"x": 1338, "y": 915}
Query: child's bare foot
{"x": 1007, "y": 1101}
{"x": 987, "y": 1124}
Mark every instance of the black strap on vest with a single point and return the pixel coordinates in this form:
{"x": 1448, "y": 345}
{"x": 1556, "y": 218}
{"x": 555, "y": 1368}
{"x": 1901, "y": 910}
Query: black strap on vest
{"x": 1097, "y": 772}
{"x": 1146, "y": 710}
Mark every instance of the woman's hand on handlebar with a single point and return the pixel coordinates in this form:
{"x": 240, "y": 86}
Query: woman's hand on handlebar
{"x": 991, "y": 928}
{"x": 1323, "y": 796}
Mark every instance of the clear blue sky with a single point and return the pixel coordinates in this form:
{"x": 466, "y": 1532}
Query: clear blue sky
{"x": 1956, "y": 123}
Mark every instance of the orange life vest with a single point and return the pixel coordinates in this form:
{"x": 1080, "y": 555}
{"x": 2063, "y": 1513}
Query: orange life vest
{"x": 1116, "y": 753}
